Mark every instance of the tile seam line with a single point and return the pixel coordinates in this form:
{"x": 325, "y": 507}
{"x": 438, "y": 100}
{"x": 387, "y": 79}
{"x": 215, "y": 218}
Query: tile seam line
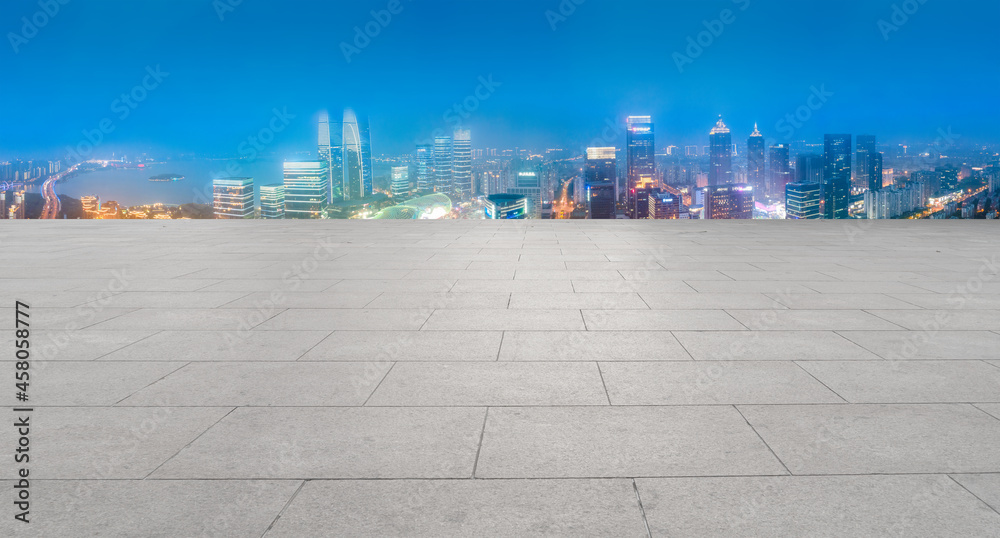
{"x": 790, "y": 473}
{"x": 479, "y": 449}
{"x": 147, "y": 337}
{"x": 285, "y": 507}
{"x": 967, "y": 490}
{"x": 642, "y": 510}
{"x": 810, "y": 374}
{"x": 137, "y": 391}
{"x": 214, "y": 424}
{"x": 393, "y": 365}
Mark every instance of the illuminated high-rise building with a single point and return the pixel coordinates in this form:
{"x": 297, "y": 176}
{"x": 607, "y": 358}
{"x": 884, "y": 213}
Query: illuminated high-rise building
{"x": 425, "y": 168}
{"x": 443, "y": 164}
{"x": 809, "y": 169}
{"x": 528, "y": 183}
{"x": 780, "y": 171}
{"x": 864, "y": 160}
{"x": 720, "y": 154}
{"x": 837, "y": 176}
{"x": 802, "y": 200}
{"x": 506, "y": 206}
{"x": 357, "y": 162}
{"x": 664, "y": 206}
{"x": 461, "y": 171}
{"x": 233, "y": 198}
{"x": 400, "y": 181}
{"x": 18, "y": 208}
{"x": 875, "y": 172}
{"x": 91, "y": 206}
{"x": 306, "y": 189}
{"x": 641, "y": 162}
{"x": 601, "y": 180}
{"x": 272, "y": 201}
{"x": 726, "y": 202}
{"x": 331, "y": 151}
{"x": 756, "y": 168}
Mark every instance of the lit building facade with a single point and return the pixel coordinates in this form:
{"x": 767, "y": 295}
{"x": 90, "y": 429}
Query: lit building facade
{"x": 357, "y": 161}
{"x": 528, "y": 184}
{"x": 664, "y": 206}
{"x": 506, "y": 206}
{"x": 233, "y": 198}
{"x": 864, "y": 160}
{"x": 601, "y": 179}
{"x": 272, "y": 201}
{"x": 443, "y": 165}
{"x": 837, "y": 176}
{"x": 425, "y": 168}
{"x": 727, "y": 202}
{"x": 641, "y": 161}
{"x": 780, "y": 171}
{"x": 461, "y": 164}
{"x": 756, "y": 167}
{"x": 720, "y": 154}
{"x": 306, "y": 189}
{"x": 802, "y": 200}
{"x": 91, "y": 206}
{"x": 894, "y": 201}
{"x": 400, "y": 181}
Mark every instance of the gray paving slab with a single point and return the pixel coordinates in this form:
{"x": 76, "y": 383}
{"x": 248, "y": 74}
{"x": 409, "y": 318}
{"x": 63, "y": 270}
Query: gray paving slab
{"x": 504, "y": 320}
{"x": 509, "y": 286}
{"x": 610, "y": 442}
{"x": 303, "y": 319}
{"x": 186, "y": 319}
{"x": 709, "y": 383}
{"x": 940, "y": 301}
{"x": 89, "y": 383}
{"x": 302, "y": 299}
{"x": 401, "y": 346}
{"x": 470, "y": 384}
{"x": 770, "y": 345}
{"x": 660, "y": 320}
{"x": 202, "y": 346}
{"x": 463, "y": 508}
{"x": 108, "y": 443}
{"x": 577, "y": 301}
{"x": 984, "y": 486}
{"x": 813, "y": 506}
{"x": 265, "y": 384}
{"x": 435, "y": 301}
{"x": 127, "y": 508}
{"x": 591, "y": 346}
{"x": 992, "y": 409}
{"x": 930, "y": 344}
{"x": 842, "y": 301}
{"x": 812, "y": 320}
{"x": 879, "y": 439}
{"x": 63, "y": 345}
{"x": 943, "y": 320}
{"x": 709, "y": 301}
{"x": 317, "y": 442}
{"x": 909, "y": 381}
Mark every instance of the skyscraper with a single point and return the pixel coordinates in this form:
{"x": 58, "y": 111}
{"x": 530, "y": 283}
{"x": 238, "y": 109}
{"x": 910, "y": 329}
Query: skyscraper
{"x": 91, "y": 206}
{"x": 809, "y": 169}
{"x": 837, "y": 176}
{"x": 357, "y": 165}
{"x": 425, "y": 169}
{"x": 721, "y": 154}
{"x": 233, "y": 198}
{"x": 641, "y": 148}
{"x": 755, "y": 161}
{"x": 727, "y": 202}
{"x": 802, "y": 200}
{"x": 528, "y": 183}
{"x": 875, "y": 172}
{"x": 780, "y": 171}
{"x": 400, "y": 181}
{"x": 443, "y": 165}
{"x": 864, "y": 160}
{"x": 272, "y": 201}
{"x": 601, "y": 178}
{"x": 664, "y": 206}
{"x": 506, "y": 206}
{"x": 306, "y": 189}
{"x": 641, "y": 156}
{"x": 462, "y": 164}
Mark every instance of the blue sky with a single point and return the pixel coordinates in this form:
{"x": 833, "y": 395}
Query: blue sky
{"x": 560, "y": 77}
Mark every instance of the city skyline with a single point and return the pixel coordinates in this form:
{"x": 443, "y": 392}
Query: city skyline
{"x": 512, "y": 80}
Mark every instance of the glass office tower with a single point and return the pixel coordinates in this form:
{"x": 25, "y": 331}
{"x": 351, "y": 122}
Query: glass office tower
{"x": 357, "y": 173}
{"x": 461, "y": 163}
{"x": 837, "y": 176}
{"x": 306, "y": 189}
{"x": 802, "y": 200}
{"x": 443, "y": 165}
{"x": 755, "y": 161}
{"x": 233, "y": 198}
{"x": 720, "y": 150}
{"x": 272, "y": 201}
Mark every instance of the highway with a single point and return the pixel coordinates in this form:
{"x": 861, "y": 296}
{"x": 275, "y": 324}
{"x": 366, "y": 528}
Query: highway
{"x": 52, "y": 204}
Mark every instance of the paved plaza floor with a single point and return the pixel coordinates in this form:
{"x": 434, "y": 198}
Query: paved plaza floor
{"x": 468, "y": 378}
